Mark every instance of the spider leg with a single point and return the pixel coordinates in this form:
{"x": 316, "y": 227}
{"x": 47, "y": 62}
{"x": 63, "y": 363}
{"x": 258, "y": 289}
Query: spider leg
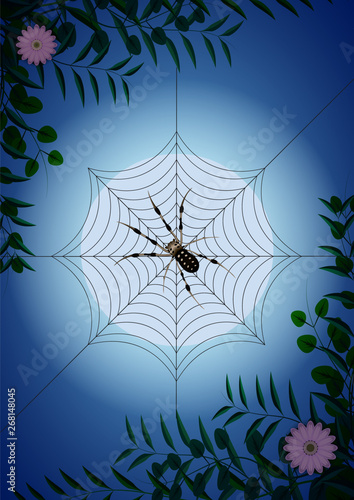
{"x": 137, "y": 231}
{"x": 157, "y": 210}
{"x": 188, "y": 288}
{"x": 204, "y": 238}
{"x": 213, "y": 261}
{"x": 163, "y": 287}
{"x": 153, "y": 254}
{"x": 181, "y": 210}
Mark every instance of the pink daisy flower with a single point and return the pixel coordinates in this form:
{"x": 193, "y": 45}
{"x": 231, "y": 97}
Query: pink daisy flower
{"x": 310, "y": 447}
{"x": 36, "y": 44}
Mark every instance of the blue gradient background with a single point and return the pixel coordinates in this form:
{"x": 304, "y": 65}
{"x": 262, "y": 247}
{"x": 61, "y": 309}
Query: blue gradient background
{"x": 79, "y": 419}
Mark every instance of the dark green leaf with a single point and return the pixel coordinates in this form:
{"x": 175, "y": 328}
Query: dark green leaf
{"x": 288, "y": 6}
{"x": 25, "y": 264}
{"x": 328, "y": 205}
{"x": 340, "y": 340}
{"x": 60, "y": 77}
{"x": 182, "y": 431}
{"x": 32, "y": 490}
{"x": 174, "y": 461}
{"x": 197, "y": 448}
{"x": 337, "y": 360}
{"x": 333, "y": 250}
{"x": 131, "y": 8}
{"x": 47, "y": 134}
{"x": 201, "y": 5}
{"x": 81, "y": 16}
{"x": 221, "y": 438}
{"x": 252, "y": 488}
{"x": 166, "y": 434}
{"x": 17, "y": 203}
{"x": 190, "y": 485}
{"x": 124, "y": 481}
{"x": 190, "y": 50}
{"x": 3, "y": 119}
{"x": 6, "y": 176}
{"x": 5, "y": 246}
{"x": 133, "y": 45}
{"x": 242, "y": 393}
{"x": 199, "y": 485}
{"x": 184, "y": 468}
{"x": 146, "y": 434}
{"x": 94, "y": 85}
{"x": 158, "y": 36}
{"x": 262, "y": 7}
{"x": 32, "y": 167}
{"x": 210, "y": 48}
{"x": 232, "y": 30}
{"x": 130, "y": 432}
{"x": 173, "y": 51}
{"x": 335, "y": 201}
{"x": 334, "y": 225}
{"x": 175, "y": 492}
{"x": 125, "y": 454}
{"x": 338, "y": 323}
{"x": 271, "y": 468}
{"x": 100, "y": 55}
{"x": 298, "y": 318}
{"x": 217, "y": 24}
{"x": 281, "y": 492}
{"x": 344, "y": 263}
{"x": 158, "y": 483}
{"x": 140, "y": 459}
{"x": 348, "y": 223}
{"x": 90, "y": 9}
{"x": 222, "y": 410}
{"x": 205, "y": 438}
{"x": 313, "y": 412}
{"x": 17, "y": 494}
{"x": 79, "y": 86}
{"x": 269, "y": 431}
{"x": 274, "y": 394}
{"x": 16, "y": 119}
{"x": 151, "y": 47}
{"x": 229, "y": 390}
{"x": 126, "y": 90}
{"x": 332, "y": 402}
{"x": 20, "y": 78}
{"x": 132, "y": 71}
{"x": 121, "y": 64}
{"x": 255, "y": 443}
{"x": 293, "y": 402}
{"x": 346, "y": 297}
{"x": 329, "y": 376}
{"x": 15, "y": 153}
{"x": 233, "y": 456}
{"x": 223, "y": 478}
{"x": 8, "y": 209}
{"x": 321, "y": 308}
{"x": 350, "y": 358}
{"x": 55, "y": 487}
{"x": 264, "y": 477}
{"x": 84, "y": 52}
{"x": 122, "y": 30}
{"x": 55, "y": 158}
{"x": 6, "y": 266}
{"x": 71, "y": 482}
{"x": 227, "y": 51}
{"x": 102, "y": 4}
{"x": 253, "y": 428}
{"x": 260, "y": 396}
{"x": 99, "y": 41}
{"x": 235, "y": 417}
{"x": 336, "y": 270}
{"x": 232, "y": 5}
{"x": 68, "y": 40}
{"x": 307, "y": 343}
{"x": 182, "y": 23}
{"x": 96, "y": 480}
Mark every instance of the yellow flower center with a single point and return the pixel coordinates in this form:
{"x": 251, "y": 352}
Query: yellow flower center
{"x": 36, "y": 45}
{"x": 310, "y": 448}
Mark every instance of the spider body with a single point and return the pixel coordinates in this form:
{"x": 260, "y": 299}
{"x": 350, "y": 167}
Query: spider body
{"x": 184, "y": 258}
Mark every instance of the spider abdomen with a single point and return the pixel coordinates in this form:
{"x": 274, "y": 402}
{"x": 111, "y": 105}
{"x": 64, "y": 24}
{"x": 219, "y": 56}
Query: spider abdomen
{"x": 187, "y": 261}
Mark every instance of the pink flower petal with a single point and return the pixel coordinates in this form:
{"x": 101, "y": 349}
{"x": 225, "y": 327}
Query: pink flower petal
{"x": 36, "y": 58}
{"x": 317, "y": 431}
{"x": 303, "y": 463}
{"x": 26, "y": 34}
{"x": 317, "y": 464}
{"x": 310, "y": 429}
{"x": 31, "y": 57}
{"x": 36, "y": 30}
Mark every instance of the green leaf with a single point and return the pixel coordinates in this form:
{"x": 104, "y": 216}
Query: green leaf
{"x": 25, "y": 264}
{"x": 8, "y": 209}
{"x": 335, "y": 201}
{"x": 336, "y": 270}
{"x": 262, "y": 7}
{"x": 6, "y": 176}
{"x": 173, "y": 51}
{"x": 330, "y": 401}
{"x": 20, "y": 222}
{"x": 140, "y": 459}
{"x": 121, "y": 64}
{"x": 60, "y": 77}
{"x": 124, "y": 481}
{"x": 252, "y": 489}
{"x": 99, "y": 40}
{"x": 130, "y": 432}
{"x": 90, "y": 9}
{"x": 17, "y": 203}
{"x": 329, "y": 376}
{"x": 55, "y": 487}
{"x": 84, "y": 52}
{"x": 55, "y": 158}
{"x": 146, "y": 434}
{"x": 71, "y": 482}
{"x": 222, "y": 410}
{"x": 96, "y": 480}
{"x": 253, "y": 428}
{"x": 157, "y": 483}
{"x": 217, "y": 24}
{"x": 233, "y": 456}
{"x": 221, "y": 438}
{"x": 307, "y": 343}
{"x": 227, "y": 51}
{"x": 158, "y": 36}
{"x": 232, "y": 5}
{"x": 131, "y": 8}
{"x": 182, "y": 23}
{"x": 32, "y": 167}
{"x": 6, "y": 266}
{"x": 338, "y": 323}
{"x": 345, "y": 263}
{"x": 350, "y": 357}
{"x": 68, "y": 39}
{"x": 132, "y": 71}
{"x": 125, "y": 454}
{"x": 133, "y": 45}
{"x": 4, "y": 246}
{"x": 288, "y": 6}
{"x": 229, "y": 390}
{"x": 274, "y": 394}
{"x": 328, "y": 205}
{"x": 210, "y": 48}
{"x": 254, "y": 443}
{"x": 197, "y": 448}
{"x": 190, "y": 50}
{"x": 242, "y": 393}
{"x": 201, "y": 5}
{"x": 79, "y": 86}
{"x": 16, "y": 119}
{"x": 17, "y": 494}
{"x": 81, "y": 16}
{"x": 122, "y": 30}
{"x": 334, "y": 225}
{"x": 335, "y": 251}
{"x": 269, "y": 431}
{"x": 182, "y": 431}
{"x": 271, "y": 468}
{"x": 174, "y": 461}
{"x": 340, "y": 340}
{"x": 205, "y": 438}
{"x": 94, "y": 86}
{"x": 35, "y": 493}
{"x": 321, "y": 308}
{"x": 126, "y": 90}
{"x": 337, "y": 360}
{"x": 235, "y": 417}
{"x": 348, "y": 223}
{"x": 223, "y": 478}
{"x": 298, "y": 318}
{"x": 15, "y": 153}
{"x": 100, "y": 55}
{"x": 281, "y": 493}
{"x": 293, "y": 402}
{"x": 149, "y": 44}
{"x": 313, "y": 412}
{"x": 20, "y": 78}
{"x": 3, "y": 119}
{"x": 166, "y": 434}
{"x": 47, "y": 134}
{"x": 260, "y": 396}
{"x": 232, "y": 30}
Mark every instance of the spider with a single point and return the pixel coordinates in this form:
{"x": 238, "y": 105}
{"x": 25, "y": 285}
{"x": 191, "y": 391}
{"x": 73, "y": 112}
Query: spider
{"x": 185, "y": 259}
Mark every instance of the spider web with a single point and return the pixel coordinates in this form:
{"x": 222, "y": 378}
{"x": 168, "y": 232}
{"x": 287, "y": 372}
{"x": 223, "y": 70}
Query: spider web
{"x": 127, "y": 300}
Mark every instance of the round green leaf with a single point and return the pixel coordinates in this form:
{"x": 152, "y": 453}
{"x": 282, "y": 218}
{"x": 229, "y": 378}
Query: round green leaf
{"x": 182, "y": 23}
{"x": 334, "y": 413}
{"x": 350, "y": 357}
{"x": 298, "y": 318}
{"x": 17, "y": 265}
{"x": 175, "y": 492}
{"x": 10, "y": 79}
{"x": 281, "y": 450}
{"x": 8, "y": 209}
{"x": 252, "y": 489}
{"x": 55, "y": 158}
{"x": 174, "y": 461}
{"x": 321, "y": 308}
{"x": 47, "y": 134}
{"x": 3, "y": 120}
{"x": 336, "y": 203}
{"x": 340, "y": 340}
{"x": 64, "y": 31}
{"x": 307, "y": 343}
{"x": 158, "y": 36}
{"x": 133, "y": 45}
{"x": 12, "y": 241}
{"x": 281, "y": 493}
{"x": 1, "y": 264}
{"x": 350, "y": 296}
{"x": 32, "y": 167}
{"x": 344, "y": 263}
{"x": 330, "y": 377}
{"x": 221, "y": 438}
{"x": 100, "y": 41}
{"x": 197, "y": 448}
{"x": 199, "y": 16}
{"x": 157, "y": 495}
{"x": 157, "y": 469}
